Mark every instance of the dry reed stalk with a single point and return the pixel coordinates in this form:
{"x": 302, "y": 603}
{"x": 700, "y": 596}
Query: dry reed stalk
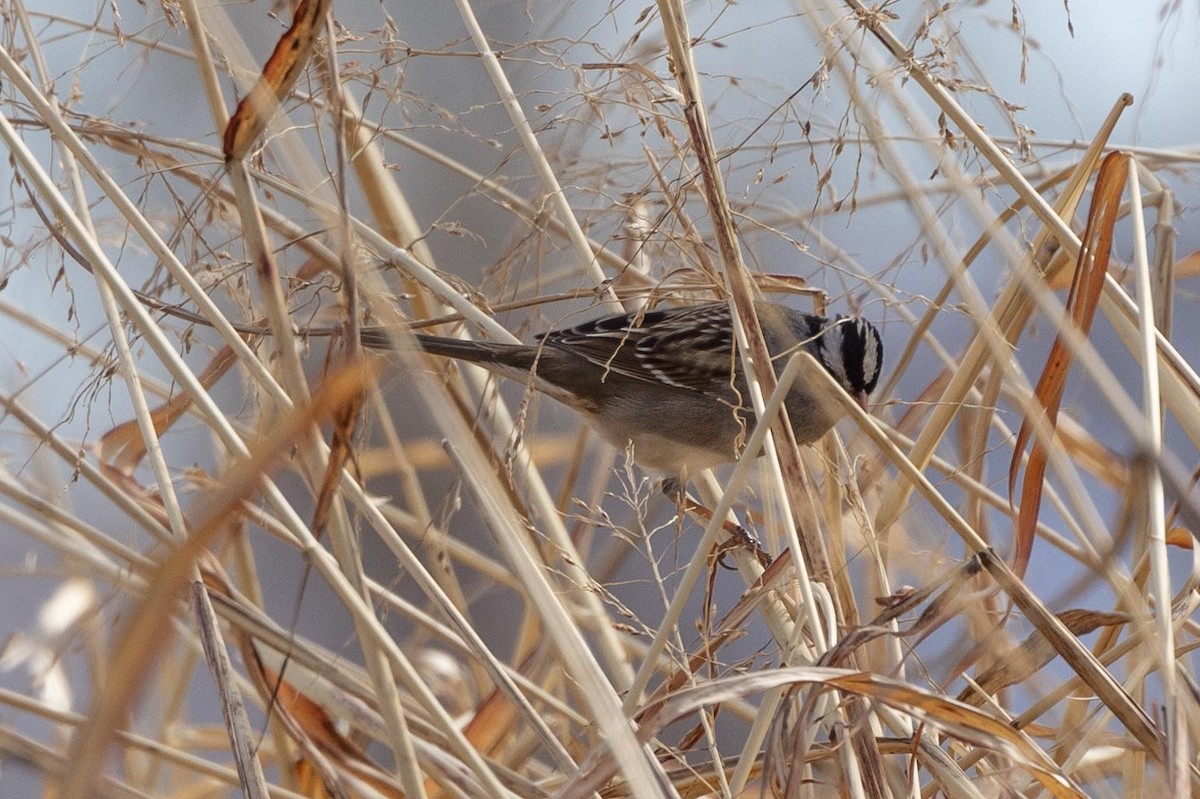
{"x": 508, "y": 620}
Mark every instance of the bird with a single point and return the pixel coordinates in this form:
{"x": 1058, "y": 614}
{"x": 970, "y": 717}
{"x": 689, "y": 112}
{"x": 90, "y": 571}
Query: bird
{"x": 669, "y": 383}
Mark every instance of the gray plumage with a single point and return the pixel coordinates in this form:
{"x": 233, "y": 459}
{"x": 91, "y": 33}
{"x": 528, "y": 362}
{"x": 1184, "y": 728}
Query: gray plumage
{"x": 670, "y": 381}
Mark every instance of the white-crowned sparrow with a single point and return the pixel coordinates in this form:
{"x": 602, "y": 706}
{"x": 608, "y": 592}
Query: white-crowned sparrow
{"x": 670, "y": 382}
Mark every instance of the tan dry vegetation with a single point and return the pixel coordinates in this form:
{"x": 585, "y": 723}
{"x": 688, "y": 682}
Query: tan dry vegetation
{"x": 395, "y": 578}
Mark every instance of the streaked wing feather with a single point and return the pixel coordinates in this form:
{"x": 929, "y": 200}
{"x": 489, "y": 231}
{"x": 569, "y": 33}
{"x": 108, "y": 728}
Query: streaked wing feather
{"x": 697, "y": 353}
{"x": 610, "y": 342}
{"x": 686, "y": 347}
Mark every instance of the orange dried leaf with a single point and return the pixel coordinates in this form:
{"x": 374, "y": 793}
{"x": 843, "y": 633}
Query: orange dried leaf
{"x": 292, "y": 52}
{"x": 1181, "y": 537}
{"x": 308, "y": 778}
{"x": 492, "y": 723}
{"x": 340, "y": 451}
{"x": 1188, "y": 266}
{"x": 1082, "y": 300}
{"x": 316, "y": 731}
{"x": 123, "y": 447}
{"x": 312, "y": 720}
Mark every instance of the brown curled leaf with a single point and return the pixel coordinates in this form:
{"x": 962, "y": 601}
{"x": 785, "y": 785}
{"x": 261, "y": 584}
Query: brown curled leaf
{"x": 1181, "y": 537}
{"x": 123, "y": 447}
{"x": 291, "y": 54}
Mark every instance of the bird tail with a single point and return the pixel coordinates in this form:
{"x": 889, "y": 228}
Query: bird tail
{"x": 514, "y": 356}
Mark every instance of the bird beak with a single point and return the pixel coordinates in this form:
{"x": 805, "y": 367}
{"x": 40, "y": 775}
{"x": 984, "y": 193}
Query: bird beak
{"x": 861, "y": 398}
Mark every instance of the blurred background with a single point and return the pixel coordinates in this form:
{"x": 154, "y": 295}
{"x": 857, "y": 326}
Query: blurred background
{"x": 844, "y": 178}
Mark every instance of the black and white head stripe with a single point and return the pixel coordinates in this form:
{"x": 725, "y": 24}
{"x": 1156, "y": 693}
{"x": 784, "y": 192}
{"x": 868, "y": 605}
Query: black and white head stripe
{"x": 850, "y": 348}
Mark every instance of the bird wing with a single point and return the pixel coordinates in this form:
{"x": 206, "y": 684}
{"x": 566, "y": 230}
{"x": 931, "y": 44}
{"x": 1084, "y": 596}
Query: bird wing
{"x": 686, "y": 347}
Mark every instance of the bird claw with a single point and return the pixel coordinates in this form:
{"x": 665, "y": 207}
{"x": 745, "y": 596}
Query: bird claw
{"x": 737, "y": 537}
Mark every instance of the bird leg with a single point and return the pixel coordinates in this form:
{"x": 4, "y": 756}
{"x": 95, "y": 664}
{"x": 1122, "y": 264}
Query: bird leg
{"x": 737, "y": 535}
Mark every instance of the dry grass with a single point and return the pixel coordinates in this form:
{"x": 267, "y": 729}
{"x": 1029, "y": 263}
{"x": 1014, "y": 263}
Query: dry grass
{"x": 395, "y": 579}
